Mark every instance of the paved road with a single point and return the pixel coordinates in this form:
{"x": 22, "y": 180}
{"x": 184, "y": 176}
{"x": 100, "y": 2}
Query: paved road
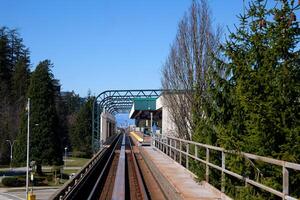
{"x": 6, "y": 196}
{"x": 41, "y": 194}
{"x": 23, "y": 169}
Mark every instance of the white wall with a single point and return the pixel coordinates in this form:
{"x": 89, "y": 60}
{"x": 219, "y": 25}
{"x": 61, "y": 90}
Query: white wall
{"x": 105, "y": 118}
{"x": 168, "y": 126}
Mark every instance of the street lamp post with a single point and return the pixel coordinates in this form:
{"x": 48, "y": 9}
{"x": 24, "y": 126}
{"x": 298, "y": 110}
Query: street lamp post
{"x": 66, "y": 148}
{"x": 11, "y": 144}
{"x": 27, "y": 163}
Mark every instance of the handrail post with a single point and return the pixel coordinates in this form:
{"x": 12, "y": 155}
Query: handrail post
{"x": 170, "y": 149}
{"x": 164, "y": 145}
{"x": 196, "y": 151}
{"x": 180, "y": 153}
{"x": 160, "y": 143}
{"x": 285, "y": 181}
{"x": 175, "y": 151}
{"x": 187, "y": 155}
{"x": 223, "y": 174}
{"x": 207, "y": 167}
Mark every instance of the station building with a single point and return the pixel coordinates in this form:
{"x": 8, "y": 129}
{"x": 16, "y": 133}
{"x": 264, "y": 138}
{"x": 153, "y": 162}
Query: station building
{"x": 152, "y": 110}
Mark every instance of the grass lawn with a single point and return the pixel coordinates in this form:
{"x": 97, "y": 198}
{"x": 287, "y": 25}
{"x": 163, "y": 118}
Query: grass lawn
{"x": 70, "y": 171}
{"x": 76, "y": 162}
{"x": 3, "y": 168}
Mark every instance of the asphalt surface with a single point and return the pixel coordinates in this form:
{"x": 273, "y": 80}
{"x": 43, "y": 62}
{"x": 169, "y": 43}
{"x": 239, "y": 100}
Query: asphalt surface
{"x": 41, "y": 194}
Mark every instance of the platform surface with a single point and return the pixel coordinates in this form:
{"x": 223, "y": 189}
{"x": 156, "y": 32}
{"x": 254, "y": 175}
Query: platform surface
{"x": 141, "y": 138}
{"x": 181, "y": 179}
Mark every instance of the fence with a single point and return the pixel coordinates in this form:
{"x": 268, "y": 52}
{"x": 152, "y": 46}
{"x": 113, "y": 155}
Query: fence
{"x": 181, "y": 147}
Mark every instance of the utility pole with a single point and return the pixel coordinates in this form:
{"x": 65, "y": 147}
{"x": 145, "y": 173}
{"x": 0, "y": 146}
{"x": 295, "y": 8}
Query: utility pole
{"x": 151, "y": 134}
{"x": 66, "y": 148}
{"x": 11, "y": 144}
{"x": 27, "y": 163}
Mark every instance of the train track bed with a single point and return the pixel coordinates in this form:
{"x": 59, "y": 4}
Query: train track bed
{"x": 137, "y": 189}
{"x": 153, "y": 188}
{"x": 110, "y": 180}
{"x": 117, "y": 172}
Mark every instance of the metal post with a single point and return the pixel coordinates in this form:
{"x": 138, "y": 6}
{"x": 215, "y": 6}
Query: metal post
{"x": 28, "y": 131}
{"x": 285, "y": 181}
{"x": 207, "y": 167}
{"x": 170, "y": 149}
{"x": 66, "y": 148}
{"x": 223, "y": 174}
{"x": 151, "y": 121}
{"x": 11, "y": 150}
{"x": 180, "y": 153}
{"x": 100, "y": 129}
{"x": 175, "y": 151}
{"x": 187, "y": 155}
{"x": 196, "y": 151}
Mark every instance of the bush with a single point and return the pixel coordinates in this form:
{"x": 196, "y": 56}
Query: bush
{"x": 40, "y": 181}
{"x": 19, "y": 181}
{"x": 14, "y": 181}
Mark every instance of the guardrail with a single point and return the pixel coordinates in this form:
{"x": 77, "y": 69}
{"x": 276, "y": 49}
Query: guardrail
{"x": 70, "y": 187}
{"x": 167, "y": 144}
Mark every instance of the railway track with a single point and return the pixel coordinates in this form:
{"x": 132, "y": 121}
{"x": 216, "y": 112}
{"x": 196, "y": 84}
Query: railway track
{"x": 114, "y": 173}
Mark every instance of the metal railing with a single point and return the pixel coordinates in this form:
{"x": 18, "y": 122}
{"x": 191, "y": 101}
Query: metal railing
{"x": 169, "y": 144}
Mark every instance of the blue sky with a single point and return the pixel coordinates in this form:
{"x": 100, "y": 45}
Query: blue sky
{"x": 104, "y": 44}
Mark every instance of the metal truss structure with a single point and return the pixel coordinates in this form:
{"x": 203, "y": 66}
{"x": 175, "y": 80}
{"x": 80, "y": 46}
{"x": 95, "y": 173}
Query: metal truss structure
{"x": 114, "y": 102}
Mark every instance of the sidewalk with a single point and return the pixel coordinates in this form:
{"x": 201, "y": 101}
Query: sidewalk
{"x": 16, "y": 189}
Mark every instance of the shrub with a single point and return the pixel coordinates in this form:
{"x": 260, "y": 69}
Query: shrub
{"x": 14, "y": 181}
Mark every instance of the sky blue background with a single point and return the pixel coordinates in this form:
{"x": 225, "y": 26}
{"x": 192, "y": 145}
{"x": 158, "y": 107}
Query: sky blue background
{"x": 104, "y": 44}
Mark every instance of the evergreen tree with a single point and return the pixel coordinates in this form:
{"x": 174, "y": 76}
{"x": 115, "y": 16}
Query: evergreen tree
{"x": 20, "y": 79}
{"x": 81, "y": 131}
{"x": 12, "y": 53}
{"x": 44, "y": 140}
{"x": 255, "y": 93}
{"x": 263, "y": 81}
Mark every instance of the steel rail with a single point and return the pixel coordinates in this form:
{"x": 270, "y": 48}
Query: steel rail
{"x": 95, "y": 193}
{"x": 119, "y": 184}
{"x": 138, "y": 174}
{"x": 78, "y": 187}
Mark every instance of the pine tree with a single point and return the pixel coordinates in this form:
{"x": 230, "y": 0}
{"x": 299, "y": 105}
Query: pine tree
{"x": 12, "y": 52}
{"x": 45, "y": 145}
{"x": 264, "y": 79}
{"x": 256, "y": 95}
{"x": 20, "y": 79}
{"x": 81, "y": 131}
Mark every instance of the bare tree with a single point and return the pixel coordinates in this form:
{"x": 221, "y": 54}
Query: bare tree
{"x": 186, "y": 68}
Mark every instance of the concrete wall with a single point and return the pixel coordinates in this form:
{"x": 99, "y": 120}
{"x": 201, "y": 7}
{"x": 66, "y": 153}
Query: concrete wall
{"x": 108, "y": 125}
{"x": 168, "y": 126}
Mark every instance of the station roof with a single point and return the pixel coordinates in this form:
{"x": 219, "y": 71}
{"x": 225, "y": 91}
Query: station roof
{"x": 142, "y": 107}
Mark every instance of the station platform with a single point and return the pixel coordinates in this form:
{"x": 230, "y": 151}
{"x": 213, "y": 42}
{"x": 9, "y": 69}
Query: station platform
{"x": 175, "y": 180}
{"x": 144, "y": 140}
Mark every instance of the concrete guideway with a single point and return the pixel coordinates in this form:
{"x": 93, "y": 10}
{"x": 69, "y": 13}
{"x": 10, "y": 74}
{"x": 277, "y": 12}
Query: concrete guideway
{"x": 176, "y": 180}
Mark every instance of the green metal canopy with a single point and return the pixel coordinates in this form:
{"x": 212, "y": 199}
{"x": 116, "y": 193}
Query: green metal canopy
{"x": 116, "y": 101}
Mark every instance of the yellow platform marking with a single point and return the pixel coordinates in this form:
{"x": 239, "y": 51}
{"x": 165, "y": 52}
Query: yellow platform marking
{"x": 137, "y": 137}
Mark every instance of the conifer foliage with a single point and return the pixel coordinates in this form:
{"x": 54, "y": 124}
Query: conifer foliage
{"x": 254, "y": 95}
{"x": 53, "y": 113}
{"x": 44, "y": 139}
{"x": 14, "y": 78}
{"x": 262, "y": 85}
{"x": 249, "y": 99}
{"x": 80, "y": 133}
